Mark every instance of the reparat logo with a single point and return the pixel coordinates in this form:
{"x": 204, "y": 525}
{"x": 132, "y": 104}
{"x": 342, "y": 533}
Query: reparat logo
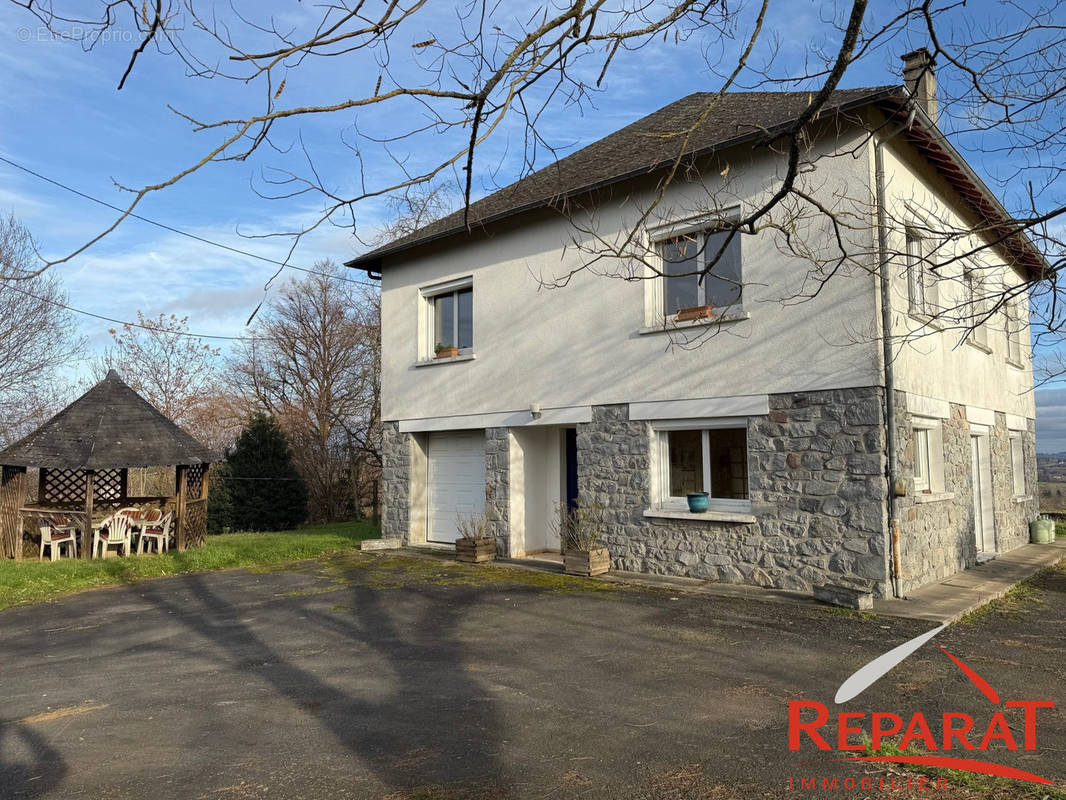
{"x": 952, "y": 731}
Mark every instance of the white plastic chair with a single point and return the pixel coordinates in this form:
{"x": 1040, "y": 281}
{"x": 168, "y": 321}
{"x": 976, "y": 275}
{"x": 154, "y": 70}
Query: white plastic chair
{"x": 159, "y": 532}
{"x": 56, "y": 537}
{"x": 113, "y": 531}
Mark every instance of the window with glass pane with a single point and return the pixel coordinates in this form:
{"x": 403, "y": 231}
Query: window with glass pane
{"x": 453, "y": 319}
{"x": 921, "y": 459}
{"x": 720, "y": 288}
{"x": 686, "y": 462}
{"x": 711, "y": 460}
{"x": 723, "y": 281}
{"x": 683, "y": 291}
{"x": 444, "y": 320}
{"x": 465, "y": 322}
{"x": 729, "y": 463}
{"x": 915, "y": 273}
{"x": 1017, "y": 459}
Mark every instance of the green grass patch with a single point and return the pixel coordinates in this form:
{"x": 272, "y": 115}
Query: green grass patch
{"x": 34, "y": 581}
{"x": 984, "y": 784}
{"x": 1019, "y": 600}
{"x": 395, "y": 572}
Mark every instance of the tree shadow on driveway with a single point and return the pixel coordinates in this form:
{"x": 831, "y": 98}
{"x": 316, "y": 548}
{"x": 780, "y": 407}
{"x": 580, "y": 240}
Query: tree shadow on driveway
{"x": 29, "y": 765}
{"x": 424, "y": 710}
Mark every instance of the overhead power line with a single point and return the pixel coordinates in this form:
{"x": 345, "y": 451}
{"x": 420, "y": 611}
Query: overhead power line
{"x": 13, "y": 285}
{"x": 172, "y": 229}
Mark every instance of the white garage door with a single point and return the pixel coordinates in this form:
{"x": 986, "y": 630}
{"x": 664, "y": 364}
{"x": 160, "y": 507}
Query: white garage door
{"x": 456, "y": 481}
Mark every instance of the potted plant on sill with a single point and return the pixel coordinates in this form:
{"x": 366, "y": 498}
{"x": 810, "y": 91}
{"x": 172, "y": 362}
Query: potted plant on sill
{"x": 697, "y": 502}
{"x": 580, "y": 531}
{"x": 694, "y": 312}
{"x": 440, "y": 351}
{"x": 476, "y": 543}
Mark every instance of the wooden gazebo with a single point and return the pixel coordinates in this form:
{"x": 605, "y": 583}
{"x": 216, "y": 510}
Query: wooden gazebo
{"x": 84, "y": 454}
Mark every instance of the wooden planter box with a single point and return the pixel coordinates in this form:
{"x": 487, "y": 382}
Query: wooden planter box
{"x": 475, "y": 551}
{"x": 695, "y": 312}
{"x": 587, "y": 562}
{"x": 447, "y": 352}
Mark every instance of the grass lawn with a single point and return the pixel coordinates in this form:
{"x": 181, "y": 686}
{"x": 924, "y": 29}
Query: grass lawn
{"x": 34, "y": 581}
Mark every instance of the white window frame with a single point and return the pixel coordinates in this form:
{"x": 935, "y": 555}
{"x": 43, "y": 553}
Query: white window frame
{"x": 976, "y": 307}
{"x": 660, "y": 430}
{"x": 922, "y": 298}
{"x": 1017, "y": 462}
{"x": 928, "y": 444}
{"x": 1014, "y": 327}
{"x": 428, "y": 297}
{"x": 700, "y": 227}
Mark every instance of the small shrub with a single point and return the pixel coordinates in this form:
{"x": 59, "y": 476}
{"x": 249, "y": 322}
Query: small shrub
{"x": 579, "y": 528}
{"x": 473, "y": 526}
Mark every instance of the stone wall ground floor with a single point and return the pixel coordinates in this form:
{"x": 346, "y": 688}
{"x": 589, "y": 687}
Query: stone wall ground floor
{"x": 817, "y": 509}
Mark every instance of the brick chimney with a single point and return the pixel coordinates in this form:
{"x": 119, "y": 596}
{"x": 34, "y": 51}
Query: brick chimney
{"x": 919, "y": 76}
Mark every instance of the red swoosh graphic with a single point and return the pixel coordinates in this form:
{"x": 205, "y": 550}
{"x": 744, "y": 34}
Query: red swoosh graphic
{"x": 964, "y": 764}
{"x": 983, "y": 685}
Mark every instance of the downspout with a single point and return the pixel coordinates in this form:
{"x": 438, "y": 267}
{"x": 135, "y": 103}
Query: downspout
{"x": 895, "y": 565}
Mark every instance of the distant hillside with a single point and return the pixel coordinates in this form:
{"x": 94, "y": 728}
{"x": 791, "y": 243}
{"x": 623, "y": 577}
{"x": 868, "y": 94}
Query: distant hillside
{"x": 1051, "y": 468}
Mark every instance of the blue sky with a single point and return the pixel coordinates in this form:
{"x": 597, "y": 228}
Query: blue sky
{"x": 60, "y": 115}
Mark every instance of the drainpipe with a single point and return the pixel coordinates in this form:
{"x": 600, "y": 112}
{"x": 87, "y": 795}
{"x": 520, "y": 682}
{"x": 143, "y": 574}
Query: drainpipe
{"x": 886, "y": 339}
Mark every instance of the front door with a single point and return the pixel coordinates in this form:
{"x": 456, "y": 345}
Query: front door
{"x": 984, "y": 522}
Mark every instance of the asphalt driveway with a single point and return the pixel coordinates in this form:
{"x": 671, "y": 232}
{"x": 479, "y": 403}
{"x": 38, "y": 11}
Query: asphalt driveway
{"x": 376, "y": 676}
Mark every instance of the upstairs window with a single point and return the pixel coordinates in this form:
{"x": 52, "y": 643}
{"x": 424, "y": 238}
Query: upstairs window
{"x": 448, "y": 318}
{"x": 453, "y": 319}
{"x": 975, "y": 308}
{"x": 685, "y": 285}
{"x": 1015, "y": 330}
{"x": 921, "y": 280}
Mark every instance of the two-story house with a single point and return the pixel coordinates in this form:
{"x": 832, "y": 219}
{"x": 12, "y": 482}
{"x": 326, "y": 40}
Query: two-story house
{"x": 824, "y": 403}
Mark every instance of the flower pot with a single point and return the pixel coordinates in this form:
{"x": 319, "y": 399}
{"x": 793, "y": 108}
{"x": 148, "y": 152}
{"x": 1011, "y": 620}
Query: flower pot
{"x": 586, "y": 562}
{"x": 695, "y": 312}
{"x": 447, "y": 352}
{"x": 475, "y": 551}
{"x": 697, "y": 502}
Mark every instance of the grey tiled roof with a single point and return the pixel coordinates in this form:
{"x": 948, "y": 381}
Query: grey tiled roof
{"x": 644, "y": 146}
{"x": 108, "y": 427}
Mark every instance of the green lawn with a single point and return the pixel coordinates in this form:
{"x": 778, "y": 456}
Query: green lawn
{"x": 34, "y": 581}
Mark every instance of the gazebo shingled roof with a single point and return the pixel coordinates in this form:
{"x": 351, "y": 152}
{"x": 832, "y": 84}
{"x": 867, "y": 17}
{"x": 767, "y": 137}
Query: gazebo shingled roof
{"x": 108, "y": 427}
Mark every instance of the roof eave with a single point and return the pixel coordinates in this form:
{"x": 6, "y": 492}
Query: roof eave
{"x": 1018, "y": 244}
{"x": 373, "y": 261}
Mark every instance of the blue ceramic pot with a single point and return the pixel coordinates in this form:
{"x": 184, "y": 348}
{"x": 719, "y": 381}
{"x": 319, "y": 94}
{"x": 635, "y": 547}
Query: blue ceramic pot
{"x": 697, "y": 502}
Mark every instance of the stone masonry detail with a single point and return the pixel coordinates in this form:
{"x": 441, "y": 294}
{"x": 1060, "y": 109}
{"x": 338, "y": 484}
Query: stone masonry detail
{"x": 817, "y": 488}
{"x": 395, "y": 481}
{"x": 937, "y": 533}
{"x": 497, "y": 485}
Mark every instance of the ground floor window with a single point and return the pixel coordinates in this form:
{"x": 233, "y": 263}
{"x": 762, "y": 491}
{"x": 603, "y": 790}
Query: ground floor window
{"x": 1017, "y": 461}
{"x": 928, "y": 455}
{"x": 704, "y": 459}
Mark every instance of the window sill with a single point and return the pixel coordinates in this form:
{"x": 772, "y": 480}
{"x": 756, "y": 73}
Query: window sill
{"x": 432, "y": 362}
{"x": 984, "y": 348}
{"x": 933, "y": 497}
{"x": 926, "y": 320}
{"x": 1015, "y": 364}
{"x": 1022, "y": 498}
{"x": 709, "y": 515}
{"x": 668, "y": 326}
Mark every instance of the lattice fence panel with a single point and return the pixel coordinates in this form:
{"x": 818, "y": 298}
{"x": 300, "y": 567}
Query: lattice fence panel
{"x": 194, "y": 480}
{"x": 195, "y": 525}
{"x": 109, "y": 484}
{"x": 12, "y": 494}
{"x": 62, "y": 486}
